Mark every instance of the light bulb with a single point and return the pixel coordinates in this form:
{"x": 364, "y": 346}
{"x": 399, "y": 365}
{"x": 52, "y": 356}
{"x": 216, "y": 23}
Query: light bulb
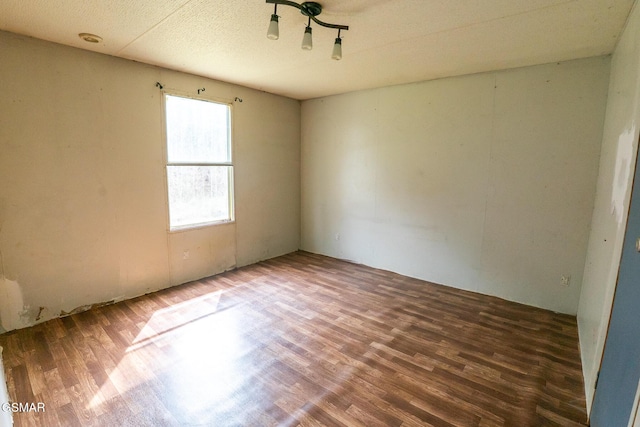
{"x": 307, "y": 42}
{"x": 273, "y": 33}
{"x": 337, "y": 50}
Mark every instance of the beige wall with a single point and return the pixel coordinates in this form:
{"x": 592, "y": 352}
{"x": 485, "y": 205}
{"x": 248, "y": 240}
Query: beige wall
{"x": 83, "y": 215}
{"x": 483, "y": 182}
{"x": 615, "y": 180}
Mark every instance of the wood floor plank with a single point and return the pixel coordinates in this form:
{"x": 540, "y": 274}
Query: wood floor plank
{"x": 301, "y": 340}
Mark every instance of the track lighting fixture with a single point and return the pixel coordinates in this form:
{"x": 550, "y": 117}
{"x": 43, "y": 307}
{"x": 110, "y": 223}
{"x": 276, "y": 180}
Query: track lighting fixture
{"x": 310, "y": 9}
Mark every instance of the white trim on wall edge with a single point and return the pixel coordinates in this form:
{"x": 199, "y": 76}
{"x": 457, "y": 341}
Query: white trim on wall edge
{"x": 6, "y": 417}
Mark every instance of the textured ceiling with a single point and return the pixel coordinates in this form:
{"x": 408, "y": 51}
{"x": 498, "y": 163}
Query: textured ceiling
{"x": 389, "y": 41}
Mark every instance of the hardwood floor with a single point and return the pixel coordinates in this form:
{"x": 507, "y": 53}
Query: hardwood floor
{"x": 301, "y": 340}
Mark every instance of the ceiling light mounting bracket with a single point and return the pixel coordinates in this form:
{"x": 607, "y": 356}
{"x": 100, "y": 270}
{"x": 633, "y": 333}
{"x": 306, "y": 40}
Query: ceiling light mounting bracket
{"x": 310, "y": 8}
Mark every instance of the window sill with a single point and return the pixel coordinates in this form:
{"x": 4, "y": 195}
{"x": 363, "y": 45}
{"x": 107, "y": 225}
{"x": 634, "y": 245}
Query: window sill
{"x": 200, "y": 226}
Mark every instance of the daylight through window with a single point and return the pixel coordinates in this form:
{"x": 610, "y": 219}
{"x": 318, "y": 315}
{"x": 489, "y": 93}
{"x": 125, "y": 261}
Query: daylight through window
{"x": 199, "y": 166}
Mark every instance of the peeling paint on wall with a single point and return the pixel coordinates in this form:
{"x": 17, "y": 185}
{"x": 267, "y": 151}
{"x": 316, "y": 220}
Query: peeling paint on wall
{"x": 87, "y": 307}
{"x": 30, "y": 315}
{"x": 12, "y": 309}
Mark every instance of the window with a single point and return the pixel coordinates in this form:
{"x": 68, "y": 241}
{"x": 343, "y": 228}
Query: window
{"x": 199, "y": 166}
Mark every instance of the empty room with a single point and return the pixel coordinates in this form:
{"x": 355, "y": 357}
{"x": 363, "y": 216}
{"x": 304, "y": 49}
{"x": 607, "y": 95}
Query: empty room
{"x": 342, "y": 213}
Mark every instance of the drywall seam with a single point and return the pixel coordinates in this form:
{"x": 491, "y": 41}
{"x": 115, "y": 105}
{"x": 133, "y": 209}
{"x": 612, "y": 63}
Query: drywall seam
{"x": 490, "y": 177}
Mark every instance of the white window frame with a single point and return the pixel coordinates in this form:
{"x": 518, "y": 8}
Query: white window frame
{"x": 230, "y": 163}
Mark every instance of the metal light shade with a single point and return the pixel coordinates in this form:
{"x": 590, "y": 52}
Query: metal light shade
{"x": 273, "y": 33}
{"x": 307, "y": 42}
{"x": 337, "y": 50}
